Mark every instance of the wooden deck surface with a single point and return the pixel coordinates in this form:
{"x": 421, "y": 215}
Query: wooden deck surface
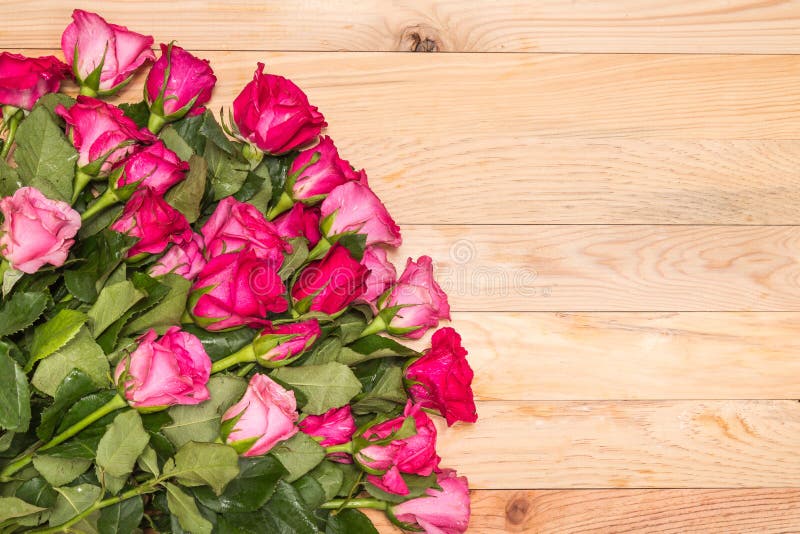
{"x": 611, "y": 191}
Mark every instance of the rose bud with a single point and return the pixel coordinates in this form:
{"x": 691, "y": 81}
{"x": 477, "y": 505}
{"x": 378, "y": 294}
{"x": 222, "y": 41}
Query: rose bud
{"x": 332, "y": 283}
{"x": 280, "y": 345}
{"x": 154, "y": 166}
{"x": 441, "y": 379}
{"x": 300, "y": 221}
{"x": 172, "y": 370}
{"x": 185, "y": 259}
{"x": 273, "y": 113}
{"x": 157, "y": 224}
{"x": 236, "y": 289}
{"x": 422, "y": 301}
{"x": 178, "y": 84}
{"x": 441, "y": 511}
{"x": 23, "y": 80}
{"x": 265, "y": 416}
{"x": 319, "y": 170}
{"x": 334, "y": 427}
{"x": 238, "y": 225}
{"x": 354, "y": 208}
{"x": 381, "y": 275}
{"x": 36, "y": 230}
{"x": 103, "y": 56}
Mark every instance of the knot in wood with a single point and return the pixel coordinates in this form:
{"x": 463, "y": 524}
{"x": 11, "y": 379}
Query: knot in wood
{"x": 517, "y": 510}
{"x": 420, "y": 38}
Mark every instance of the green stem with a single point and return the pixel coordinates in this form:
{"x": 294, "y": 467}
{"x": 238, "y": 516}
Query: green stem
{"x": 155, "y": 123}
{"x": 109, "y": 198}
{"x": 246, "y": 369}
{"x": 319, "y": 249}
{"x": 344, "y": 447}
{"x": 377, "y": 325}
{"x": 88, "y": 91}
{"x": 244, "y": 355}
{"x": 12, "y": 133}
{"x": 285, "y": 203}
{"x": 81, "y": 181}
{"x": 336, "y": 504}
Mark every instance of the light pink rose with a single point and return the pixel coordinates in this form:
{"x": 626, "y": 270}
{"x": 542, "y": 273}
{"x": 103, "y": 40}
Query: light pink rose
{"x": 331, "y": 283}
{"x": 355, "y": 208}
{"x": 172, "y": 370}
{"x": 157, "y": 224}
{"x": 300, "y": 221}
{"x": 36, "y": 230}
{"x": 424, "y": 303}
{"x": 265, "y": 416}
{"x": 380, "y": 277}
{"x": 154, "y": 166}
{"x": 23, "y": 80}
{"x": 185, "y": 259}
{"x": 336, "y": 426}
{"x": 444, "y": 511}
{"x": 187, "y": 87}
{"x": 89, "y": 42}
{"x": 323, "y": 175}
{"x": 278, "y": 343}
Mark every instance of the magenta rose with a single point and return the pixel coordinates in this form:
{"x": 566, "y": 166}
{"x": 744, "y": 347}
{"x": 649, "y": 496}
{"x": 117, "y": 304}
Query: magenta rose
{"x": 273, "y": 113}
{"x": 285, "y": 342}
{"x": 441, "y": 379}
{"x": 354, "y": 208}
{"x": 23, "y": 80}
{"x": 265, "y": 416}
{"x": 422, "y": 299}
{"x": 237, "y": 226}
{"x": 154, "y": 166}
{"x": 103, "y": 56}
{"x": 172, "y": 370}
{"x": 319, "y": 170}
{"x": 185, "y": 259}
{"x": 101, "y": 133}
{"x": 381, "y": 275}
{"x": 178, "y": 84}
{"x": 236, "y": 289}
{"x": 36, "y": 230}
{"x": 300, "y": 221}
{"x": 331, "y": 283}
{"x": 440, "y": 511}
{"x": 157, "y": 224}
{"x": 334, "y": 427}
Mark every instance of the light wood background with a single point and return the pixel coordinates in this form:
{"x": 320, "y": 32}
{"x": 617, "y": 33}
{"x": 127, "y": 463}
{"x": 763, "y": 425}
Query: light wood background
{"x": 610, "y": 190}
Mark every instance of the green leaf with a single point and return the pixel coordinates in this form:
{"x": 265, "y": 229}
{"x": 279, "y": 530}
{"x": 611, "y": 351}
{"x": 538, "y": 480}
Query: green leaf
{"x": 416, "y": 488}
{"x": 248, "y": 492}
{"x": 299, "y": 455}
{"x": 138, "y": 112}
{"x": 112, "y": 303}
{"x": 15, "y": 404}
{"x": 80, "y": 353}
{"x": 37, "y": 491}
{"x": 221, "y": 344}
{"x": 45, "y": 158}
{"x": 60, "y": 471}
{"x": 21, "y": 311}
{"x": 72, "y": 501}
{"x": 213, "y": 132}
{"x": 9, "y": 180}
{"x": 228, "y": 174}
{"x": 188, "y": 131}
{"x": 375, "y": 346}
{"x": 212, "y": 464}
{"x": 123, "y": 442}
{"x": 349, "y": 521}
{"x": 326, "y": 386}
{"x": 355, "y": 244}
{"x": 187, "y": 195}
{"x": 287, "y": 512}
{"x": 325, "y": 351}
{"x": 102, "y": 253}
{"x": 330, "y": 477}
{"x": 386, "y": 395}
{"x": 277, "y": 167}
{"x": 176, "y": 143}
{"x": 349, "y": 327}
{"x": 74, "y": 386}
{"x": 99, "y": 221}
{"x": 122, "y": 517}
{"x": 310, "y": 491}
{"x": 54, "y": 334}
{"x": 10, "y": 278}
{"x": 155, "y": 291}
{"x": 51, "y": 100}
{"x": 166, "y": 313}
{"x": 83, "y": 445}
{"x": 12, "y": 507}
{"x": 84, "y": 407}
{"x": 292, "y": 262}
{"x": 182, "y": 505}
{"x": 148, "y": 461}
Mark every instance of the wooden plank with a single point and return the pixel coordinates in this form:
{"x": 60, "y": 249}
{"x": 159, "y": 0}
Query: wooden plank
{"x": 705, "y": 26}
{"x": 627, "y": 444}
{"x": 612, "y": 268}
{"x": 610, "y": 356}
{"x": 732, "y": 511}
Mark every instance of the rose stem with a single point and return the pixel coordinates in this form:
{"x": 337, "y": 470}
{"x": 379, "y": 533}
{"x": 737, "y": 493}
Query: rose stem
{"x": 244, "y": 355}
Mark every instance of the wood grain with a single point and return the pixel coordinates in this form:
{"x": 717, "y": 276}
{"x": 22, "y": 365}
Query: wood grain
{"x": 629, "y": 444}
{"x": 695, "y": 26}
{"x": 674, "y": 511}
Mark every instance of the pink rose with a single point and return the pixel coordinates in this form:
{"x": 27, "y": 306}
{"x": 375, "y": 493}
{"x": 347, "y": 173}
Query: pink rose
{"x": 157, "y": 224}
{"x": 185, "y": 259}
{"x": 354, "y": 208}
{"x": 236, "y": 289}
{"x": 320, "y": 177}
{"x": 331, "y": 283}
{"x": 238, "y": 225}
{"x": 36, "y": 230}
{"x": 23, "y": 80}
{"x": 284, "y": 342}
{"x": 274, "y": 114}
{"x": 172, "y": 370}
{"x": 300, "y": 221}
{"x": 336, "y": 426}
{"x": 266, "y": 415}
{"x": 154, "y": 166}
{"x": 103, "y": 56}
{"x": 424, "y": 303}
{"x": 414, "y": 455}
{"x": 444, "y": 511}
{"x": 441, "y": 379}
{"x": 381, "y": 275}
{"x": 102, "y": 134}
{"x": 179, "y": 83}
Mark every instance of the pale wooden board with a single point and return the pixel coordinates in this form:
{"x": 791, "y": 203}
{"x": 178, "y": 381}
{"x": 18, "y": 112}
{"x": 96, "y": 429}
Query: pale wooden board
{"x": 635, "y": 444}
{"x": 739, "y": 26}
{"x": 732, "y": 511}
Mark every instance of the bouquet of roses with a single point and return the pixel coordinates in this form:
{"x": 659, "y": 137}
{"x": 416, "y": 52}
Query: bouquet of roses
{"x": 198, "y": 317}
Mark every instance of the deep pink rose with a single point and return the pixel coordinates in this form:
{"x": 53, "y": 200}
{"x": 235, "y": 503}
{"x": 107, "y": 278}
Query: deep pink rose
{"x": 415, "y": 455}
{"x": 441, "y": 379}
{"x": 36, "y": 230}
{"x": 332, "y": 282}
{"x": 90, "y": 42}
{"x": 444, "y": 511}
{"x": 237, "y": 226}
{"x": 423, "y": 299}
{"x": 274, "y": 114}
{"x": 101, "y": 133}
{"x": 172, "y": 370}
{"x": 23, "y": 80}
{"x": 179, "y": 83}
{"x": 336, "y": 426}
{"x": 355, "y": 208}
{"x": 157, "y": 224}
{"x": 321, "y": 177}
{"x": 237, "y": 289}
{"x": 380, "y": 277}
{"x": 266, "y": 415}
{"x": 185, "y": 259}
{"x": 300, "y": 221}
{"x": 278, "y": 343}
{"x": 154, "y": 166}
